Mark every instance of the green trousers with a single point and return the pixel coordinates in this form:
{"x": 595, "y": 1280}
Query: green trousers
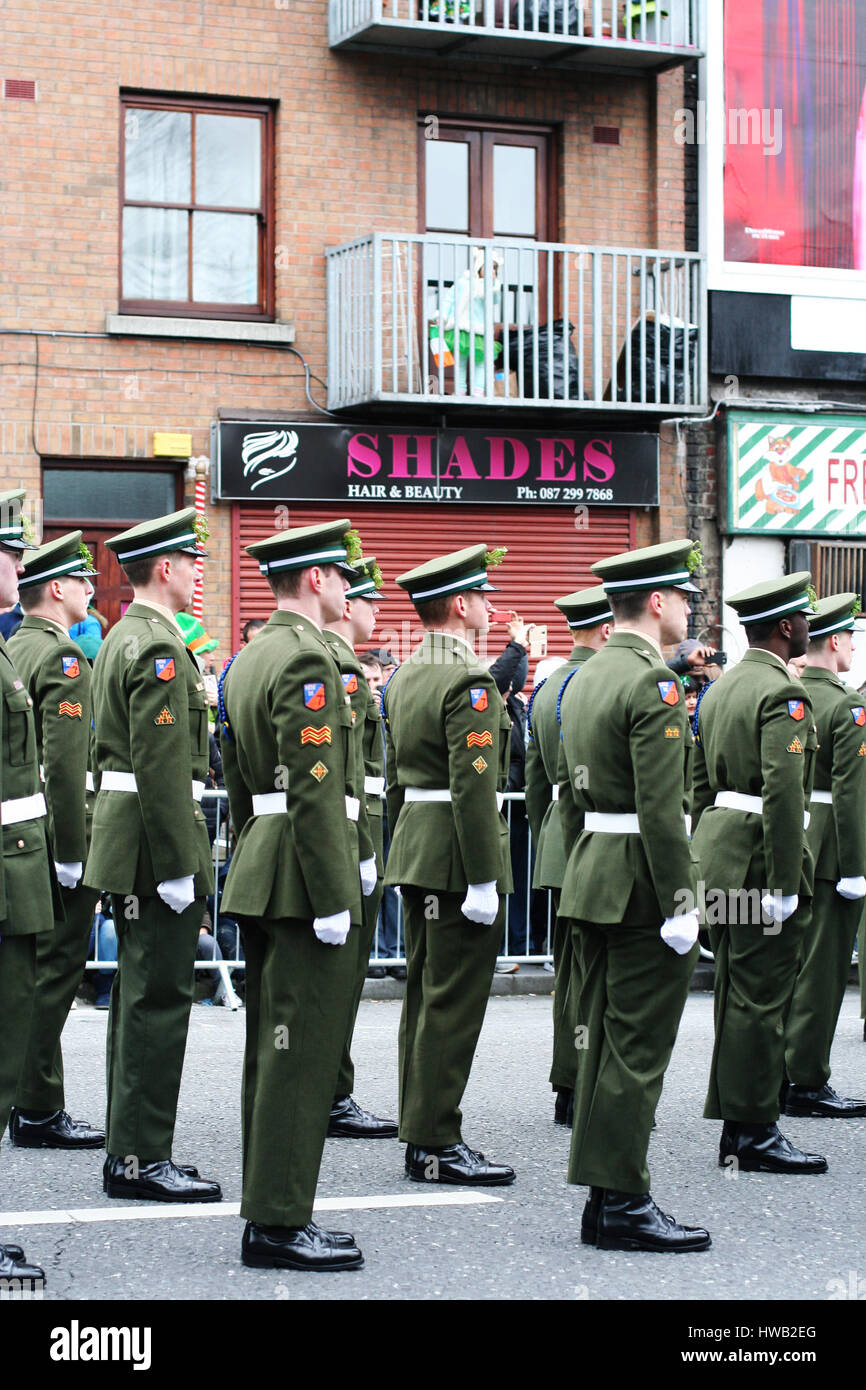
{"x": 60, "y": 957}
{"x": 449, "y": 966}
{"x": 566, "y": 984}
{"x": 148, "y": 1022}
{"x": 17, "y": 993}
{"x": 755, "y": 969}
{"x": 631, "y": 996}
{"x": 364, "y": 943}
{"x": 299, "y": 995}
{"x": 820, "y": 986}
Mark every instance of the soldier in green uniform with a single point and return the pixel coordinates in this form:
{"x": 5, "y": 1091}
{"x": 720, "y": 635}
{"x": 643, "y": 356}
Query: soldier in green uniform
{"x": 348, "y": 1120}
{"x": 837, "y": 839}
{"x": 629, "y": 888}
{"x": 28, "y": 904}
{"x": 290, "y": 769}
{"x": 54, "y": 591}
{"x": 753, "y": 776}
{"x": 150, "y": 850}
{"x": 448, "y": 737}
{"x": 590, "y": 621}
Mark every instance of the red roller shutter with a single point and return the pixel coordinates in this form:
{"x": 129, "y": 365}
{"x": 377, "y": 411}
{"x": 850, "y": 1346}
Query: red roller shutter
{"x": 548, "y": 555}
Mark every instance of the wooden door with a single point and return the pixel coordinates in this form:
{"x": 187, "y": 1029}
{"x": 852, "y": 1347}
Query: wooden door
{"x": 112, "y": 591}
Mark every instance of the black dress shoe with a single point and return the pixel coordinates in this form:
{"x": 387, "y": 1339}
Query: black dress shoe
{"x": 162, "y": 1181}
{"x": 349, "y": 1121}
{"x": 13, "y": 1266}
{"x": 55, "y": 1130}
{"x": 456, "y": 1164}
{"x": 376, "y": 972}
{"x": 630, "y": 1221}
{"x": 563, "y": 1109}
{"x": 299, "y": 1247}
{"x": 764, "y": 1149}
{"x": 822, "y": 1103}
{"x": 397, "y": 972}
{"x": 589, "y": 1219}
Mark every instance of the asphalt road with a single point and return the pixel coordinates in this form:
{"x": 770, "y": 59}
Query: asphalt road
{"x": 773, "y": 1237}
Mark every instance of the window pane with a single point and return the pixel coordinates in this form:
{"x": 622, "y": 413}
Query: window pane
{"x": 447, "y": 183}
{"x": 513, "y": 190}
{"x": 224, "y": 258}
{"x": 100, "y": 494}
{"x": 154, "y": 253}
{"x": 157, "y": 146}
{"x": 228, "y": 160}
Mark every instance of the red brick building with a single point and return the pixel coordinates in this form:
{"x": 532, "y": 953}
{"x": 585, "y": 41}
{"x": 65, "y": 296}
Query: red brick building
{"x": 176, "y": 183}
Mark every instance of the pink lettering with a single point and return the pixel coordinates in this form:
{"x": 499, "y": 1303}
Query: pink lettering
{"x": 556, "y": 453}
{"x": 461, "y": 461}
{"x": 423, "y": 456}
{"x": 850, "y": 480}
{"x": 498, "y": 464}
{"x": 598, "y": 464}
{"x": 363, "y": 458}
{"x": 832, "y": 480}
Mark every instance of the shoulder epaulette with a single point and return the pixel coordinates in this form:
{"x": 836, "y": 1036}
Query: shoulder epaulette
{"x": 222, "y": 716}
{"x": 529, "y": 733}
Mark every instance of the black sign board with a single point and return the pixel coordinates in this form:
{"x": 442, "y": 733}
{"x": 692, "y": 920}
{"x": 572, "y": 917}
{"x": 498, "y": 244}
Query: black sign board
{"x": 381, "y": 463}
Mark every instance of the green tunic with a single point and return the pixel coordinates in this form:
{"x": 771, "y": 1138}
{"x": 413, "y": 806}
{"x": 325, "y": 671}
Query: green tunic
{"x": 290, "y": 733}
{"x": 837, "y": 840}
{"x": 448, "y": 731}
{"x": 757, "y": 737}
{"x": 626, "y": 742}
{"x": 151, "y": 721}
{"x": 58, "y": 679}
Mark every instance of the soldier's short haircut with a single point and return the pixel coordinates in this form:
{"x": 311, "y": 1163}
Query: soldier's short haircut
{"x": 433, "y": 612}
{"x": 630, "y": 605}
{"x": 819, "y": 644}
{"x": 140, "y": 572}
{"x": 757, "y": 633}
{"x": 287, "y": 583}
{"x": 32, "y": 596}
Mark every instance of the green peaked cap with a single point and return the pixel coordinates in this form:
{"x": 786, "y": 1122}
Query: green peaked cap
{"x": 454, "y": 573}
{"x": 835, "y": 613}
{"x": 16, "y": 533}
{"x": 66, "y": 557}
{"x": 328, "y": 543}
{"x": 176, "y": 531}
{"x": 585, "y": 607}
{"x": 774, "y": 598}
{"x": 666, "y": 566}
{"x": 368, "y": 582}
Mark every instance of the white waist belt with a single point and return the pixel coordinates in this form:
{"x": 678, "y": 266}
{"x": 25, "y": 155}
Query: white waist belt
{"x": 740, "y": 801}
{"x": 88, "y": 779}
{"x": 554, "y": 792}
{"x": 125, "y": 782}
{"x": 22, "y": 808}
{"x": 825, "y": 797}
{"x": 374, "y": 786}
{"x": 622, "y": 823}
{"x": 439, "y": 794}
{"x": 276, "y": 804}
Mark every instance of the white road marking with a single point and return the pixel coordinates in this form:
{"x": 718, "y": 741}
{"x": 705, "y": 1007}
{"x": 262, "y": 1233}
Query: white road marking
{"x": 163, "y": 1210}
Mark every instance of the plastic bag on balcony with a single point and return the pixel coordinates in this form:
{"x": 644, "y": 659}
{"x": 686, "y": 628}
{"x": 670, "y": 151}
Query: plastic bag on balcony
{"x": 543, "y": 23}
{"x": 669, "y": 340}
{"x": 557, "y": 362}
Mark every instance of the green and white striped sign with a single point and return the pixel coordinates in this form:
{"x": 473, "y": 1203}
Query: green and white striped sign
{"x": 797, "y": 474}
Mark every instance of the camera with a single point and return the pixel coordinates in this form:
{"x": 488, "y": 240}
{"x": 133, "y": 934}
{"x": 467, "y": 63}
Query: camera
{"x": 716, "y": 659}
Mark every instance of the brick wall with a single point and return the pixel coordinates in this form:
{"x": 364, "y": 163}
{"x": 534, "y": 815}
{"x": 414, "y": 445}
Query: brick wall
{"x": 346, "y": 164}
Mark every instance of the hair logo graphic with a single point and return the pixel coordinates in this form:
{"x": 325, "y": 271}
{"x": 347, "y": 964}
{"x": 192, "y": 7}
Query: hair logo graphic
{"x": 258, "y": 448}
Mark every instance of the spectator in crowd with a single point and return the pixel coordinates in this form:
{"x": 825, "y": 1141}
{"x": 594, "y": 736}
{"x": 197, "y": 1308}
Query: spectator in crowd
{"x": 689, "y": 656}
{"x": 10, "y": 621}
{"x": 386, "y": 941}
{"x": 250, "y": 629}
{"x": 510, "y": 671}
{"x": 208, "y": 948}
{"x": 103, "y": 946}
{"x": 88, "y": 634}
{"x": 388, "y": 662}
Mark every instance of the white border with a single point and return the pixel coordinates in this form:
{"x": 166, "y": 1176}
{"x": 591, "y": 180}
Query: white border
{"x": 731, "y": 275}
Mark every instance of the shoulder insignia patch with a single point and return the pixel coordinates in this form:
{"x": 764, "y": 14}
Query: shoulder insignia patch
{"x": 858, "y": 714}
{"x": 74, "y": 711}
{"x": 317, "y": 736}
{"x": 164, "y": 666}
{"x": 484, "y": 740}
{"x": 478, "y": 697}
{"x": 796, "y": 709}
{"x": 479, "y": 764}
{"x": 314, "y": 695}
{"x": 70, "y": 666}
{"x": 669, "y": 693}
{"x": 350, "y": 681}
{"x": 672, "y": 733}
{"x": 165, "y": 716}
{"x": 795, "y": 747}
{"x": 319, "y": 771}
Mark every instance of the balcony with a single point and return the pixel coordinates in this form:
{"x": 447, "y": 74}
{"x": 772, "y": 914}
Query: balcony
{"x": 435, "y": 320}
{"x": 590, "y": 35}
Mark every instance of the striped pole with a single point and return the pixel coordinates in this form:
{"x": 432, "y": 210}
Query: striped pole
{"x": 201, "y": 467}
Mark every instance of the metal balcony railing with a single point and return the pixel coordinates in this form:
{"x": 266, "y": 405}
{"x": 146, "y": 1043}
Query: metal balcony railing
{"x": 582, "y": 33}
{"x": 428, "y": 318}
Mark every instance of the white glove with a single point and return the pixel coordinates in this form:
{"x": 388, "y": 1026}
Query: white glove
{"x": 779, "y": 907}
{"x": 177, "y": 893}
{"x": 680, "y": 933}
{"x": 851, "y": 887}
{"x": 368, "y": 876}
{"x": 333, "y": 930}
{"x": 481, "y": 903}
{"x": 69, "y": 874}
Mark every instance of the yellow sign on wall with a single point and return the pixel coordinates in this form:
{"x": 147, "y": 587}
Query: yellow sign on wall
{"x": 176, "y": 446}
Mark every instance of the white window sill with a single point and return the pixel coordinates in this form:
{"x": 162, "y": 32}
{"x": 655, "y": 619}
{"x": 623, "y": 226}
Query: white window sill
{"x": 232, "y": 330}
